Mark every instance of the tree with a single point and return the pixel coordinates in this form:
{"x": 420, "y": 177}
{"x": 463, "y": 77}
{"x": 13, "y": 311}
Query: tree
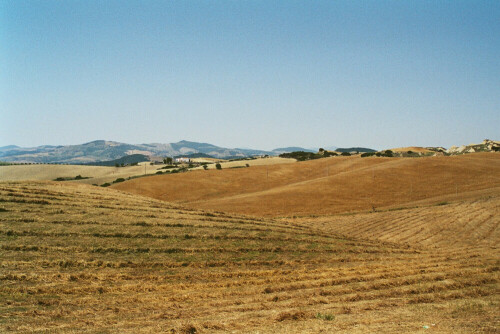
{"x": 218, "y": 166}
{"x": 167, "y": 161}
{"x": 205, "y": 167}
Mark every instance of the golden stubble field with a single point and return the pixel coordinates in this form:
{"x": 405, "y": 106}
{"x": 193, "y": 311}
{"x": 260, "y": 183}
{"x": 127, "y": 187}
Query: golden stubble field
{"x": 76, "y": 258}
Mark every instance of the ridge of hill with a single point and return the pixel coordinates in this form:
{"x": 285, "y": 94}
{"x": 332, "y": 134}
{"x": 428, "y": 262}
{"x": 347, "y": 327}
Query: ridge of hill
{"x": 89, "y": 259}
{"x": 126, "y": 160}
{"x": 102, "y": 150}
{"x": 290, "y": 149}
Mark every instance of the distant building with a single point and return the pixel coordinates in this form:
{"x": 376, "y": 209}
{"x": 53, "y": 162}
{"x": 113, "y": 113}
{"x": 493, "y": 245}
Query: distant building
{"x": 181, "y": 160}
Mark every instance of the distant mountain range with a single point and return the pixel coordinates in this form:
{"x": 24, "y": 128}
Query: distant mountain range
{"x": 102, "y": 150}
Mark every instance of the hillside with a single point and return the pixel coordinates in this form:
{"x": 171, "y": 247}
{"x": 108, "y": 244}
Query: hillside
{"x": 102, "y": 150}
{"x": 126, "y": 160}
{"x": 77, "y": 258}
{"x": 326, "y": 186}
{"x": 95, "y": 174}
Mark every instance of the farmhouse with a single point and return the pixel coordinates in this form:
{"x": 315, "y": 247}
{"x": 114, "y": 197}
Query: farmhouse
{"x": 181, "y": 160}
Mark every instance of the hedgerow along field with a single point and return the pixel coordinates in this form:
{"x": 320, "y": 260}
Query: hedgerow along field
{"x": 77, "y": 258}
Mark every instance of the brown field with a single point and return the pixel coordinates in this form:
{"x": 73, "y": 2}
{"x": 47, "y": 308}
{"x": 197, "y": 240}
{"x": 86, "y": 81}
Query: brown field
{"x": 327, "y": 186}
{"x": 96, "y": 174}
{"x": 77, "y": 258}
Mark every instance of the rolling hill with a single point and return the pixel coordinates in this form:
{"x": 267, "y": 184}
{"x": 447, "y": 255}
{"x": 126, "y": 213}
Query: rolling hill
{"x": 327, "y": 186}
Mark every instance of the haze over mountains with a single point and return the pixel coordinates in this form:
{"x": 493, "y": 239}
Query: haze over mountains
{"x": 102, "y": 150}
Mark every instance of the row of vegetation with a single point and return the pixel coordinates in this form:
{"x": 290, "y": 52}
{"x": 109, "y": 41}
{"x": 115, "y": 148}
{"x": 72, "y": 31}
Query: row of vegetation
{"x": 303, "y": 156}
{"x": 78, "y": 177}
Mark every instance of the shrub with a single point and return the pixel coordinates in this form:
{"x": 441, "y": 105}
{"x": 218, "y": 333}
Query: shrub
{"x": 60, "y": 179}
{"x": 367, "y": 154}
{"x": 159, "y": 172}
{"x": 218, "y": 166}
{"x": 346, "y": 154}
{"x": 120, "y": 179}
{"x": 78, "y": 177}
{"x": 205, "y": 167}
{"x": 326, "y": 316}
{"x": 247, "y": 165}
{"x": 105, "y": 184}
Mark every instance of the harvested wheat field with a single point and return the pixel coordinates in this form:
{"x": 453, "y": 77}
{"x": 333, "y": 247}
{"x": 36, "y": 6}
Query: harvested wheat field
{"x": 77, "y": 258}
{"x": 326, "y": 186}
{"x": 92, "y": 174}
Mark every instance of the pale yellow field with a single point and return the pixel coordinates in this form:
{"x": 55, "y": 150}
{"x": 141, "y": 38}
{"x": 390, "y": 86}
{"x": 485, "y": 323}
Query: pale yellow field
{"x": 97, "y": 174}
{"x": 411, "y": 148}
{"x": 254, "y": 162}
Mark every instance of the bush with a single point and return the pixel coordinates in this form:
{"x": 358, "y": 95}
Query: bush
{"x": 218, "y": 166}
{"x": 247, "y": 165}
{"x": 105, "y": 184}
{"x": 159, "y": 172}
{"x": 205, "y": 167}
{"x": 60, "y": 179}
{"x": 346, "y": 154}
{"x": 330, "y": 154}
{"x": 78, "y": 177}
{"x": 301, "y": 155}
{"x": 367, "y": 154}
{"x": 120, "y": 179}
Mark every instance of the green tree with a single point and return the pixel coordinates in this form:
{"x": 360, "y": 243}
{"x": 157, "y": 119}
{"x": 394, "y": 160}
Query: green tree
{"x": 218, "y": 166}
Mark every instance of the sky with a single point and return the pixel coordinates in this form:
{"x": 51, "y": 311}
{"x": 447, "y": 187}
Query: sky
{"x": 250, "y": 74}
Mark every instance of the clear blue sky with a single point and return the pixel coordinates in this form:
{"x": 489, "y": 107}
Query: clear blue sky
{"x": 259, "y": 74}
